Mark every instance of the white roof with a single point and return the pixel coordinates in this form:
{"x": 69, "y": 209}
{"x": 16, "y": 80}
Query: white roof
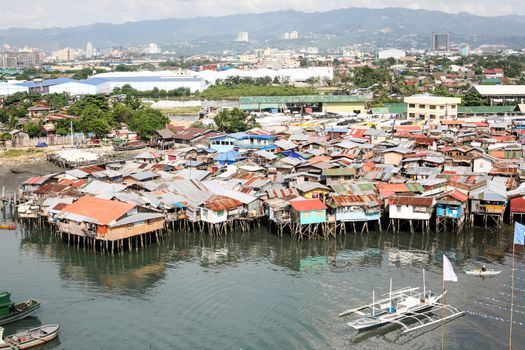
{"x": 500, "y": 90}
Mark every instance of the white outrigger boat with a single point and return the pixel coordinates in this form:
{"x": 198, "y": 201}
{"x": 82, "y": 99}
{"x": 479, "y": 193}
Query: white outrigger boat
{"x": 480, "y": 272}
{"x": 401, "y": 307}
{"x": 30, "y": 338}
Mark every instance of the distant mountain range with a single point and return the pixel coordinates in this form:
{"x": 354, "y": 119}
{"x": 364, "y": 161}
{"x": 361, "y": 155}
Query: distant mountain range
{"x": 389, "y": 27}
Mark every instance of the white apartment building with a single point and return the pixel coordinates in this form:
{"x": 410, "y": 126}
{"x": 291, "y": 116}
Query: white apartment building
{"x": 432, "y": 108}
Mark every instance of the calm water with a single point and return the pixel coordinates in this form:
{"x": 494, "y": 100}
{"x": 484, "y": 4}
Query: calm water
{"x": 255, "y": 290}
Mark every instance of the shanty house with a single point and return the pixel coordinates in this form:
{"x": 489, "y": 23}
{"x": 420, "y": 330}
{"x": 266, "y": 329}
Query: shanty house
{"x": 410, "y": 207}
{"x": 107, "y": 219}
{"x": 220, "y": 208}
{"x": 488, "y": 199}
{"x": 451, "y": 204}
{"x": 312, "y": 190}
{"x": 349, "y": 208}
{"x": 339, "y": 175}
{"x": 309, "y": 211}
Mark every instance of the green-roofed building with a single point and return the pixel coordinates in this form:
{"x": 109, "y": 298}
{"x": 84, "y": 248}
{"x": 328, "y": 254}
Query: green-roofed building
{"x": 466, "y": 111}
{"x": 305, "y": 103}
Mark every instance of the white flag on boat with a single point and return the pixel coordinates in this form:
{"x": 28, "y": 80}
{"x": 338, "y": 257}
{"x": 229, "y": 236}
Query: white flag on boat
{"x": 448, "y": 271}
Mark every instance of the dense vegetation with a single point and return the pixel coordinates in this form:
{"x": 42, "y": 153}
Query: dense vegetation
{"x": 234, "y": 120}
{"x": 155, "y": 93}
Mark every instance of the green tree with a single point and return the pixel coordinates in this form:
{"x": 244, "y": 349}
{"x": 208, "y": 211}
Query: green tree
{"x": 33, "y": 129}
{"x": 57, "y": 101}
{"x": 146, "y": 121}
{"x": 234, "y": 120}
{"x": 84, "y": 73}
{"x": 94, "y": 120}
{"x": 96, "y": 101}
{"x": 473, "y": 98}
{"x": 122, "y": 113}
{"x": 4, "y": 116}
{"x": 124, "y": 68}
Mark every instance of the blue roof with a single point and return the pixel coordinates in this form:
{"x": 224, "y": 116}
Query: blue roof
{"x": 258, "y": 137}
{"x": 293, "y": 154}
{"x": 45, "y": 83}
{"x": 93, "y": 81}
{"x": 149, "y": 78}
{"x": 230, "y": 156}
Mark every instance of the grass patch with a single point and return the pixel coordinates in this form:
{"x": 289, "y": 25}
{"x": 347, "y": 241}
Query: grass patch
{"x": 13, "y": 153}
{"x": 180, "y": 110}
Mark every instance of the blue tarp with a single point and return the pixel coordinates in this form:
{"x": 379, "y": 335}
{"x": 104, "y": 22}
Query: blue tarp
{"x": 293, "y": 154}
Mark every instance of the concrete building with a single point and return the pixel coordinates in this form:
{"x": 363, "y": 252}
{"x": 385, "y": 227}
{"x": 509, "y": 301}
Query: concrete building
{"x": 65, "y": 55}
{"x": 432, "y": 108}
{"x": 242, "y": 36}
{"x": 440, "y": 42}
{"x": 391, "y": 53}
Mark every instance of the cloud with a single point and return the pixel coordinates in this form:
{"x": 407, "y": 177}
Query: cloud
{"x": 66, "y": 13}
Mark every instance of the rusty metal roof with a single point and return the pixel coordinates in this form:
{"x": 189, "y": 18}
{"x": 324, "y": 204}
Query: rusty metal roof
{"x": 218, "y": 203}
{"x": 414, "y": 201}
{"x": 353, "y": 200}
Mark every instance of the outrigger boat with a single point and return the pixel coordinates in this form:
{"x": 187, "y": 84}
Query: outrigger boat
{"x": 30, "y": 338}
{"x": 401, "y": 307}
{"x": 480, "y": 272}
{"x": 11, "y": 312}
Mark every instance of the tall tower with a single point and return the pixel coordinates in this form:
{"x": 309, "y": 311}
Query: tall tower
{"x": 89, "y": 50}
{"x": 440, "y": 42}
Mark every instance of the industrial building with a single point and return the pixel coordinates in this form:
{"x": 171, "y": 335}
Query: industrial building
{"x": 502, "y": 94}
{"x": 307, "y": 103}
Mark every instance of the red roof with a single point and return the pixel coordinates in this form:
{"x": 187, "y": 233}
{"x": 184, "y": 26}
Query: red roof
{"x": 103, "y": 210}
{"x": 460, "y": 196}
{"x": 415, "y": 201}
{"x": 308, "y": 204}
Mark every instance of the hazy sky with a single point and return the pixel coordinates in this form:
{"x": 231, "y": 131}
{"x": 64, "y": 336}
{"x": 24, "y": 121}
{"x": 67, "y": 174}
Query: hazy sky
{"x": 66, "y": 13}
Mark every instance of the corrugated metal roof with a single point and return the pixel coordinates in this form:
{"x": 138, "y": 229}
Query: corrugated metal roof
{"x": 302, "y": 99}
{"x": 414, "y": 201}
{"x": 353, "y": 200}
{"x": 218, "y": 203}
{"x": 103, "y": 210}
{"x": 339, "y": 172}
{"x": 308, "y": 204}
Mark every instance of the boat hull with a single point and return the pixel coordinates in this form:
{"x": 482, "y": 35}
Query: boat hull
{"x": 27, "y": 340}
{"x": 31, "y": 308}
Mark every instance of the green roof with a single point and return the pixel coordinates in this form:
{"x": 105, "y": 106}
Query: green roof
{"x": 396, "y": 108}
{"x": 339, "y": 172}
{"x": 301, "y": 99}
{"x": 415, "y": 187}
{"x": 485, "y": 109}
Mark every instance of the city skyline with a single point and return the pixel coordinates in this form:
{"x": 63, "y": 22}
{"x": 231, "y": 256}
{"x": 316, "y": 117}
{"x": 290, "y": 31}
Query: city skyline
{"x": 59, "y": 13}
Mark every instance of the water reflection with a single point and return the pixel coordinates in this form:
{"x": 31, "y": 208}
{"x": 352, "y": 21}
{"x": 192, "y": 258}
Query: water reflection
{"x": 141, "y": 270}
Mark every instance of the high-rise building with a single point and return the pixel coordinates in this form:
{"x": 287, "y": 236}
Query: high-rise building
{"x": 440, "y": 41}
{"x": 89, "y": 50}
{"x": 294, "y": 35}
{"x": 242, "y": 36}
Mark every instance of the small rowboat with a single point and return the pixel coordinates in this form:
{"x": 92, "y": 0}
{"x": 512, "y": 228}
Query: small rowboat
{"x": 30, "y": 338}
{"x": 479, "y": 272}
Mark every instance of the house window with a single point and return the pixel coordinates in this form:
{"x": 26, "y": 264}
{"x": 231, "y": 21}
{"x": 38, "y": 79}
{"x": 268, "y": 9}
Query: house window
{"x": 441, "y": 107}
{"x": 412, "y": 115}
{"x": 398, "y": 208}
{"x": 432, "y": 107}
{"x": 220, "y": 213}
{"x": 422, "y": 106}
{"x": 412, "y": 105}
{"x": 453, "y": 106}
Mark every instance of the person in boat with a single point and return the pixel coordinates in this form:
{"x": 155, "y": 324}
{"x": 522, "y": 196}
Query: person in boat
{"x": 483, "y": 268}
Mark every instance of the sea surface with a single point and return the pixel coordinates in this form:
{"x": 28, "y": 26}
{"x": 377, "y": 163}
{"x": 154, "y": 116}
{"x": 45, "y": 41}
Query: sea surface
{"x": 254, "y": 290}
